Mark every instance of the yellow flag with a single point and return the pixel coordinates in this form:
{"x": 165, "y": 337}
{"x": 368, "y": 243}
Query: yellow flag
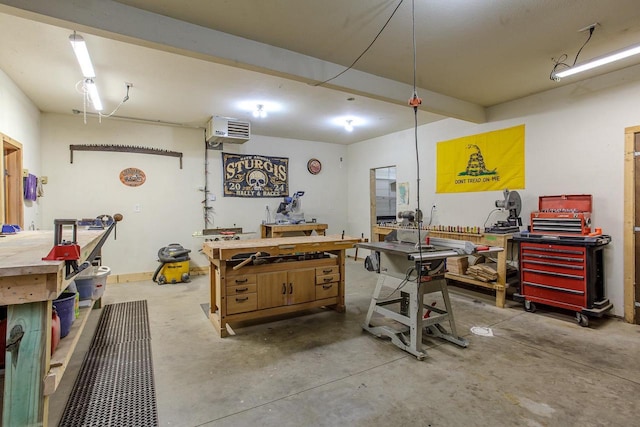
{"x": 484, "y": 162}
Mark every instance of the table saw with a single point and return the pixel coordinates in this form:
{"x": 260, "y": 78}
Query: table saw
{"x": 417, "y": 272}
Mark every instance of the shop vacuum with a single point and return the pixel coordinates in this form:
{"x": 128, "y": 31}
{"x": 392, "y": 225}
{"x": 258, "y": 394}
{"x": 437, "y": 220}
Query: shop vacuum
{"x": 174, "y": 265}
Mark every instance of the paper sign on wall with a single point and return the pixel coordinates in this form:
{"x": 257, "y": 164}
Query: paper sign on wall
{"x": 484, "y": 162}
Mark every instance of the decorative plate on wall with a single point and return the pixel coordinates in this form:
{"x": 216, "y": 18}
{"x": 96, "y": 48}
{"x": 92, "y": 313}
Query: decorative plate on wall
{"x": 132, "y": 177}
{"x": 314, "y": 166}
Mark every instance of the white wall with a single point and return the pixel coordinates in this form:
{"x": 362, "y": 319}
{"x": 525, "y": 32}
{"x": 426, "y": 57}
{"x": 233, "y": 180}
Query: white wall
{"x": 20, "y": 120}
{"x": 574, "y": 144}
{"x": 325, "y": 195}
{"x": 170, "y": 199}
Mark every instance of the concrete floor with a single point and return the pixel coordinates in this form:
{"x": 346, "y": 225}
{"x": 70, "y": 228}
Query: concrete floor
{"x": 320, "y": 368}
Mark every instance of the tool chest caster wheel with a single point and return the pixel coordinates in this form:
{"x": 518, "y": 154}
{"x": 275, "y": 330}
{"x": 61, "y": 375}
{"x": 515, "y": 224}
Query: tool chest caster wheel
{"x": 185, "y": 277}
{"x": 161, "y": 280}
{"x": 582, "y": 320}
{"x": 529, "y": 306}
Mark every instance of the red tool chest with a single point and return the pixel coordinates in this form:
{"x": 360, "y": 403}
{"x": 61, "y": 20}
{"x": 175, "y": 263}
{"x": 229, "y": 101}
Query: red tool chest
{"x": 564, "y": 214}
{"x": 561, "y": 261}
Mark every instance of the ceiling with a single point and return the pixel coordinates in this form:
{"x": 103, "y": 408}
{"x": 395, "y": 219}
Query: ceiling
{"x": 191, "y": 59}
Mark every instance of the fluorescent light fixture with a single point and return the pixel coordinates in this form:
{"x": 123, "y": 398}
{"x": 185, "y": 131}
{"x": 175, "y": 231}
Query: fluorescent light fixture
{"x": 607, "y": 59}
{"x": 92, "y": 90}
{"x": 82, "y": 54}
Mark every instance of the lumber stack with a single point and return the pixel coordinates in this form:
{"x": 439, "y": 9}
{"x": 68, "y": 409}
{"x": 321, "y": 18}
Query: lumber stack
{"x": 457, "y": 264}
{"x": 483, "y": 272}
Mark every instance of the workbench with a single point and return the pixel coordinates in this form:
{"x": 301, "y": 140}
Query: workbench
{"x": 282, "y": 230}
{"x": 488, "y": 239}
{"x": 288, "y": 274}
{"x": 28, "y": 285}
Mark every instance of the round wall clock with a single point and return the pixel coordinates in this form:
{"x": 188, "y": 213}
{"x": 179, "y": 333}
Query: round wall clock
{"x": 314, "y": 166}
{"x": 132, "y": 177}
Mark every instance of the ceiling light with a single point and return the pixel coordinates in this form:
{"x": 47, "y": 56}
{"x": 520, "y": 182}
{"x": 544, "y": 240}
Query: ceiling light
{"x": 597, "y": 62}
{"x": 260, "y": 111}
{"x": 259, "y": 107}
{"x": 348, "y": 126}
{"x": 82, "y": 54}
{"x": 92, "y": 91}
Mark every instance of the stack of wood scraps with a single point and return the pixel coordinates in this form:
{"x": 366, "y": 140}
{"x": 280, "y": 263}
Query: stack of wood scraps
{"x": 483, "y": 272}
{"x": 457, "y": 264}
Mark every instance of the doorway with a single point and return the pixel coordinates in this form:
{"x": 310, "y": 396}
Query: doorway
{"x": 382, "y": 184}
{"x": 11, "y": 193}
{"x": 632, "y": 225}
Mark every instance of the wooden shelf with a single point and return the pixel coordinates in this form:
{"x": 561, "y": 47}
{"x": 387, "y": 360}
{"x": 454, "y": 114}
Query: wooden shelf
{"x": 60, "y": 359}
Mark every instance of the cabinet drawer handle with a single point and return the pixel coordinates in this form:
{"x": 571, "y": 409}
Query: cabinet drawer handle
{"x": 245, "y": 280}
{"x": 327, "y": 271}
{"x": 242, "y": 299}
{"x": 328, "y": 279}
{"x": 242, "y": 289}
{"x": 327, "y": 286}
{"x": 290, "y": 288}
{"x": 284, "y": 288}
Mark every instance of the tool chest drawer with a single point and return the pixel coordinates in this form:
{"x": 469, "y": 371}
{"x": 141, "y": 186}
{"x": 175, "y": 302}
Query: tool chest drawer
{"x": 557, "y": 267}
{"x": 327, "y": 274}
{"x": 568, "y": 276}
{"x": 244, "y": 279}
{"x": 242, "y": 289}
{"x": 327, "y": 290}
{"x": 329, "y": 269}
{"x": 327, "y": 278}
{"x": 242, "y": 303}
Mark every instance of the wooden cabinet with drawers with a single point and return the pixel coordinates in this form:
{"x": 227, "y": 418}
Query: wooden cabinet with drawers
{"x": 311, "y": 275}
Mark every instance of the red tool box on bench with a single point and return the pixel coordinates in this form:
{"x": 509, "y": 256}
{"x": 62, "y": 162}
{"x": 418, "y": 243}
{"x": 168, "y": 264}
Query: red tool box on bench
{"x": 565, "y": 214}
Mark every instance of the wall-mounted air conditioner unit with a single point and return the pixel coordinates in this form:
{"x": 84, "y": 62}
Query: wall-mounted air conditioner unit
{"x": 227, "y": 130}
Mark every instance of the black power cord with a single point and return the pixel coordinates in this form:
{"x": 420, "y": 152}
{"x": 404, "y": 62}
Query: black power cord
{"x": 365, "y": 51}
{"x": 564, "y": 56}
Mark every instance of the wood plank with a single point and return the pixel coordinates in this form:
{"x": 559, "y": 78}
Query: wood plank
{"x": 285, "y": 309}
{"x": 22, "y": 253}
{"x": 24, "y": 289}
{"x": 23, "y": 404}
{"x": 60, "y": 359}
{"x": 470, "y": 280}
{"x": 630, "y": 173}
{"x": 278, "y": 246}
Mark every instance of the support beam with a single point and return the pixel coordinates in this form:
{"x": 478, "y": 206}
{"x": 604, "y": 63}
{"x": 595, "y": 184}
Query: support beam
{"x": 110, "y": 19}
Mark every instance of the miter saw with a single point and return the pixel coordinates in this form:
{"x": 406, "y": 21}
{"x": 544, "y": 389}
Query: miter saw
{"x": 410, "y": 218}
{"x": 513, "y": 204}
{"x": 290, "y": 210}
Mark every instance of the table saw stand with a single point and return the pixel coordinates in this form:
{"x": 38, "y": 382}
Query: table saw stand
{"x": 417, "y": 273}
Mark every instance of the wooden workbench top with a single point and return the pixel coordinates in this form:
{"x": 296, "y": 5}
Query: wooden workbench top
{"x": 225, "y": 249}
{"x": 22, "y": 253}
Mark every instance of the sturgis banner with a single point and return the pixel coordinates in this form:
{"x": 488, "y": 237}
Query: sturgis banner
{"x": 255, "y": 176}
{"x": 484, "y": 162}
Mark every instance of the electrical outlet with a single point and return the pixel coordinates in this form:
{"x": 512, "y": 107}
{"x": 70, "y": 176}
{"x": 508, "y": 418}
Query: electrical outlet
{"x": 137, "y": 208}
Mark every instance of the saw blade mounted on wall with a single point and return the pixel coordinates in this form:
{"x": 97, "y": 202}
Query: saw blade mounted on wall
{"x": 123, "y": 149}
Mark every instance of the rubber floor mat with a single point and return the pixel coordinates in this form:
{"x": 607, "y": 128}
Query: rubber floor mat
{"x": 115, "y": 384}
